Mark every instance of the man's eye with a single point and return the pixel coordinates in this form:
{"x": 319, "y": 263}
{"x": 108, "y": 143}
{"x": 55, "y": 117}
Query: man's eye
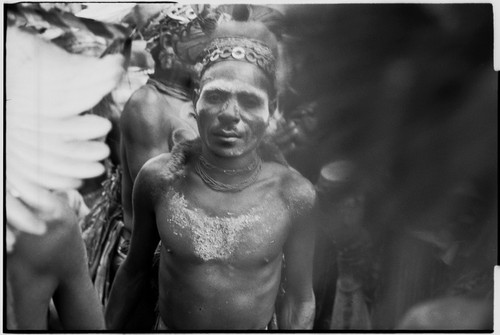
{"x": 249, "y": 101}
{"x": 214, "y": 97}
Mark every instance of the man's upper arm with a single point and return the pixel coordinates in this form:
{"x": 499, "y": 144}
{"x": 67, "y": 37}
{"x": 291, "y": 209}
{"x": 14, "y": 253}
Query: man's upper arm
{"x": 296, "y": 309}
{"x": 143, "y": 134}
{"x": 145, "y": 235}
{"x": 132, "y": 277}
{"x": 299, "y": 247}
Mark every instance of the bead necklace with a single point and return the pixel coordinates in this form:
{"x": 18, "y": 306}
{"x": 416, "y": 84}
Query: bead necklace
{"x": 230, "y": 172}
{"x": 222, "y": 187}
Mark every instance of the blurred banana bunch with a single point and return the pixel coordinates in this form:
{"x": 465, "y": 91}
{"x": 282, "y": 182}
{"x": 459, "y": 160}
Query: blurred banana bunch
{"x": 51, "y": 145}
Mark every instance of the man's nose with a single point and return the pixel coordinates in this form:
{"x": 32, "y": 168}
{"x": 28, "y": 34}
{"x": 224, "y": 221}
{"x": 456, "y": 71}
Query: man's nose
{"x": 230, "y": 112}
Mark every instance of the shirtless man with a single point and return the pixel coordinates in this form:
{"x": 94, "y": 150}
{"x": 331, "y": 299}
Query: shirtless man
{"x": 52, "y": 266}
{"x": 226, "y": 218}
{"x": 157, "y": 116}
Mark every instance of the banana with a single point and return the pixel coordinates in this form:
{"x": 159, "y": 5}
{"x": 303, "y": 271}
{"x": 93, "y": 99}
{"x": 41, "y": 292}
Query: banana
{"x": 50, "y": 163}
{"x": 18, "y": 167}
{"x": 84, "y": 127}
{"x": 50, "y": 146}
{"x": 36, "y": 197}
{"x": 21, "y": 218}
{"x": 78, "y": 150}
{"x": 43, "y": 79}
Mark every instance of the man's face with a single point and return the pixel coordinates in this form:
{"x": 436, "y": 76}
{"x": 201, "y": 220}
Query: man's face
{"x": 233, "y": 108}
{"x": 167, "y": 58}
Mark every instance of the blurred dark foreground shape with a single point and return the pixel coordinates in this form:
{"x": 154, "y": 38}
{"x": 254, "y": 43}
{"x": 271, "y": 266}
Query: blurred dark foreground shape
{"x": 407, "y": 93}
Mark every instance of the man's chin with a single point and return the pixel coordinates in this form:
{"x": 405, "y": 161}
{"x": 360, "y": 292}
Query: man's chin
{"x": 167, "y": 66}
{"x": 226, "y": 150}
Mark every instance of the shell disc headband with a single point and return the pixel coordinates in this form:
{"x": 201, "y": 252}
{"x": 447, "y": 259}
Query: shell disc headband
{"x": 240, "y": 49}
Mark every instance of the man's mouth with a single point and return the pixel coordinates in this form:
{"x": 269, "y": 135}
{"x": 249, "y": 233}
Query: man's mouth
{"x": 227, "y": 136}
{"x": 227, "y": 133}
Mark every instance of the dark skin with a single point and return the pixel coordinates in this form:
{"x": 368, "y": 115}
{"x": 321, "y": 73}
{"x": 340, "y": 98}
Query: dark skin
{"x": 231, "y": 281}
{"x": 53, "y": 266}
{"x": 150, "y": 124}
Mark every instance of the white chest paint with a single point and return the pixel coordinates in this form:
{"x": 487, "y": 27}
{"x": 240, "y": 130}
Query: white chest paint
{"x": 218, "y": 237}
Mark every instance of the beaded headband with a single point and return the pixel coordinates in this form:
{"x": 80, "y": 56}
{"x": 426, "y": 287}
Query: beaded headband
{"x": 240, "y": 49}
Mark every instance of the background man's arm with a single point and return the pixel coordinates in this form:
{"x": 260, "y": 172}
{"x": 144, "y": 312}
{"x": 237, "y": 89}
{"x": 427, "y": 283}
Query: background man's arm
{"x": 133, "y": 276}
{"x": 296, "y": 309}
{"x": 143, "y": 133}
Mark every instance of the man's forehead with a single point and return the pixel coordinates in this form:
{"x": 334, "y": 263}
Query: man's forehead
{"x": 233, "y": 86}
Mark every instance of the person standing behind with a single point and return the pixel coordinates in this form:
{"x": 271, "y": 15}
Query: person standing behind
{"x": 157, "y": 115}
{"x": 226, "y": 217}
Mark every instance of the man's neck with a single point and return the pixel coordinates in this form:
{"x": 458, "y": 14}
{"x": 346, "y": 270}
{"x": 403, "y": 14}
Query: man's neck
{"x": 229, "y": 163}
{"x": 230, "y": 170}
{"x": 173, "y": 78}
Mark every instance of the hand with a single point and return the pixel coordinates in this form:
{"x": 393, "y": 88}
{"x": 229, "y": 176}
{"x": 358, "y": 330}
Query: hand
{"x": 299, "y": 130}
{"x": 285, "y": 136}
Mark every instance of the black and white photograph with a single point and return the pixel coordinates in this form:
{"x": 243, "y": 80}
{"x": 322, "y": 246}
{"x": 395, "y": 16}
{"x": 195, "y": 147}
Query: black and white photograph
{"x": 255, "y": 167}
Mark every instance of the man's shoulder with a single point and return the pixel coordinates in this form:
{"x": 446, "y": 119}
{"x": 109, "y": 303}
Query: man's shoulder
{"x": 158, "y": 174}
{"x": 144, "y": 94}
{"x": 144, "y": 107}
{"x": 163, "y": 169}
{"x": 154, "y": 167}
{"x": 148, "y": 103}
{"x": 151, "y": 178}
{"x": 295, "y": 189}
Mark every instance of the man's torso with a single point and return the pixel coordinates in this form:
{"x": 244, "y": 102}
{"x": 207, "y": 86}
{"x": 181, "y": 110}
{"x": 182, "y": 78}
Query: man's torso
{"x": 221, "y": 258}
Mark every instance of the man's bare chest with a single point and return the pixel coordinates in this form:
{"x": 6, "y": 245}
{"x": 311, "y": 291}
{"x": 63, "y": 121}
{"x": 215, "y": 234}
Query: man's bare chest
{"x": 257, "y": 232}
